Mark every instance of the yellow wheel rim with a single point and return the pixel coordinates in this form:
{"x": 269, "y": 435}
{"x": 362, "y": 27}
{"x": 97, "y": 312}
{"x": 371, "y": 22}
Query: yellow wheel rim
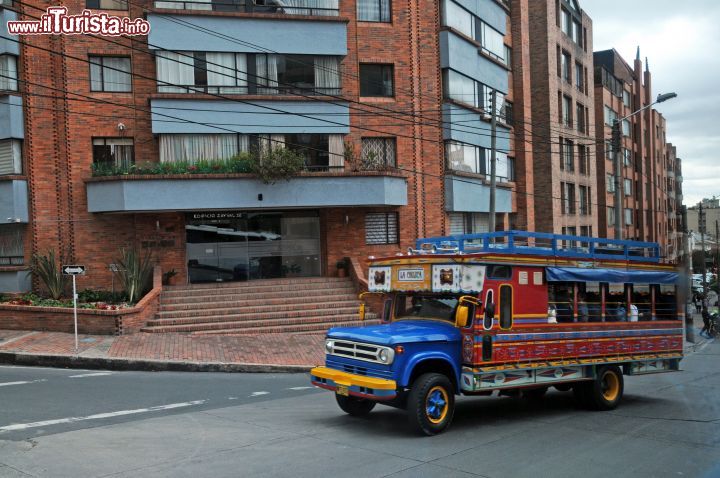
{"x": 436, "y": 404}
{"x": 610, "y": 386}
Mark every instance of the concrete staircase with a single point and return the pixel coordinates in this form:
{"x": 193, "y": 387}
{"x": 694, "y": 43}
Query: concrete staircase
{"x": 298, "y": 305}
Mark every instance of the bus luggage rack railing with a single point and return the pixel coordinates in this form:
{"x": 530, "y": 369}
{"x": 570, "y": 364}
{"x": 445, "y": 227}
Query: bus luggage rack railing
{"x": 539, "y": 243}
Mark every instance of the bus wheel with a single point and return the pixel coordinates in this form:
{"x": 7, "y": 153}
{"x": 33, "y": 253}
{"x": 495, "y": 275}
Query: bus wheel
{"x": 357, "y": 407}
{"x": 605, "y": 392}
{"x": 431, "y": 403}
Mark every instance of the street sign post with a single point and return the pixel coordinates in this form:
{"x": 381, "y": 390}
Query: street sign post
{"x": 74, "y": 270}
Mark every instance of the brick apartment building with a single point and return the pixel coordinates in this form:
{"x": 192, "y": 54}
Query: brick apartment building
{"x": 649, "y": 180}
{"x": 404, "y": 84}
{"x": 563, "y": 184}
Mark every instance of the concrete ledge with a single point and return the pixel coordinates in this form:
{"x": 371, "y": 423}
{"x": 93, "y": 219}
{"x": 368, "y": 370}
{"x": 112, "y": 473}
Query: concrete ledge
{"x": 104, "y": 363}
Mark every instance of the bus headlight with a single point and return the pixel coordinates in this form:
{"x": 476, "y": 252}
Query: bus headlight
{"x": 329, "y": 344}
{"x": 386, "y": 355}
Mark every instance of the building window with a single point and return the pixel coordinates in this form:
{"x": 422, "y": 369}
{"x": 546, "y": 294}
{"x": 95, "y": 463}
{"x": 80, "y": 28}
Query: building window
{"x": 626, "y": 127}
{"x": 508, "y": 56}
{"x": 580, "y": 115}
{"x": 567, "y": 119}
{"x": 376, "y": 80}
{"x": 491, "y": 40}
{"x": 583, "y": 159}
{"x": 565, "y": 66}
{"x": 586, "y": 231}
{"x": 628, "y": 217}
{"x": 107, "y": 4}
{"x": 378, "y": 153}
{"x": 610, "y": 216}
{"x": 381, "y": 228}
{"x": 579, "y": 77}
{"x": 110, "y": 73}
{"x": 577, "y": 33}
{"x": 8, "y": 70}
{"x": 474, "y": 159}
{"x": 12, "y": 251}
{"x": 373, "y": 11}
{"x": 468, "y": 222}
{"x": 627, "y": 99}
{"x": 507, "y": 114}
{"x": 567, "y": 159}
{"x": 584, "y": 200}
{"x": 465, "y": 90}
{"x": 610, "y": 115}
{"x": 10, "y": 156}
{"x": 113, "y": 152}
{"x": 227, "y": 73}
{"x": 627, "y": 157}
{"x": 627, "y": 187}
{"x": 567, "y": 198}
{"x": 610, "y": 183}
{"x": 566, "y": 23}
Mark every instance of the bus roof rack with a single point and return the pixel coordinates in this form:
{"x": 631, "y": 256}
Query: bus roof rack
{"x": 539, "y": 244}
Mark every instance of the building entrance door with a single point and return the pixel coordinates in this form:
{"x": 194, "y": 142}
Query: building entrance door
{"x": 240, "y": 246}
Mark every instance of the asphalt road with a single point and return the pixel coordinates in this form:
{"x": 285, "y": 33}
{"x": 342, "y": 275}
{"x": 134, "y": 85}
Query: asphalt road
{"x": 70, "y": 423}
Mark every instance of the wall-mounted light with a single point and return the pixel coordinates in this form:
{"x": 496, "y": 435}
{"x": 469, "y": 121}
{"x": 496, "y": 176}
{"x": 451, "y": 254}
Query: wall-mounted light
{"x": 14, "y": 219}
{"x": 347, "y": 219}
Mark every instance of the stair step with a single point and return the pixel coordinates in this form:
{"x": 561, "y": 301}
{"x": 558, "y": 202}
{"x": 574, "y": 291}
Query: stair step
{"x": 258, "y": 325}
{"x": 246, "y": 300}
{"x": 305, "y": 329}
{"x": 259, "y": 292}
{"x": 258, "y": 310}
{"x": 199, "y": 319}
{"x": 259, "y": 282}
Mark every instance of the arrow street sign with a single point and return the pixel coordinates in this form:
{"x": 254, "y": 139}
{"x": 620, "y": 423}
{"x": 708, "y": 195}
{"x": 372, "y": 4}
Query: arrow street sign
{"x": 73, "y": 270}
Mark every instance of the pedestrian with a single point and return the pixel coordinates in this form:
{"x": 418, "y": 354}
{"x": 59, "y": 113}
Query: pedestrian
{"x": 634, "y": 313}
{"x": 583, "y": 308}
{"x": 698, "y": 302}
{"x": 706, "y": 323}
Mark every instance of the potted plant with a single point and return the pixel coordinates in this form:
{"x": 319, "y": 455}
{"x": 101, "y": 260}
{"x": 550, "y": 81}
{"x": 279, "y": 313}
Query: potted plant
{"x": 342, "y": 267}
{"x": 167, "y": 276}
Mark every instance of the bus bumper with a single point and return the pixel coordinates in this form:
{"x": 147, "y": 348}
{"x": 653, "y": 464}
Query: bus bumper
{"x": 349, "y": 384}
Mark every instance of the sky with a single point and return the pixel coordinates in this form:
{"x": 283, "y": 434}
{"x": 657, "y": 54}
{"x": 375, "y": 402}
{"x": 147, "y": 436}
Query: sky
{"x": 681, "y": 40}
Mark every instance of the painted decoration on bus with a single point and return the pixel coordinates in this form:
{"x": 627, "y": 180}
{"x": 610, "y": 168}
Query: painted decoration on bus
{"x": 446, "y": 277}
{"x": 411, "y": 275}
{"x": 472, "y": 278}
{"x": 415, "y": 277}
{"x": 379, "y": 279}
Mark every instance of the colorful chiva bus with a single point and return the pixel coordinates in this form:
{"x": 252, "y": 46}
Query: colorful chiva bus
{"x": 514, "y": 312}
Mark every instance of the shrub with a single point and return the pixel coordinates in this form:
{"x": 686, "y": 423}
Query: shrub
{"x": 274, "y": 164}
{"x": 48, "y": 269}
{"x": 135, "y": 273}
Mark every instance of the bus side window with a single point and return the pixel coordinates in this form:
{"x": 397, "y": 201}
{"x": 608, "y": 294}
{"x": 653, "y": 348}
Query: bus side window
{"x": 560, "y": 298}
{"x": 615, "y": 303}
{"x": 506, "y": 306}
{"x": 665, "y": 302}
{"x": 489, "y": 311}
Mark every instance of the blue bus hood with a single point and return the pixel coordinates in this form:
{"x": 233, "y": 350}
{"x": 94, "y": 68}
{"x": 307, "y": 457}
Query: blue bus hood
{"x": 401, "y": 332}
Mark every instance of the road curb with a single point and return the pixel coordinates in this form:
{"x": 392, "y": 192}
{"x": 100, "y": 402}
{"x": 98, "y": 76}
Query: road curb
{"x": 106, "y": 363}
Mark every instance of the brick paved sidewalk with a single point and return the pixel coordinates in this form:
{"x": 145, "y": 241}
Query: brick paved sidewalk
{"x": 283, "y": 350}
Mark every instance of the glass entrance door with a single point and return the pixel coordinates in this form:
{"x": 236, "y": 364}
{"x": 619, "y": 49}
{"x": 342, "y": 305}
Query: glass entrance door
{"x": 240, "y": 246}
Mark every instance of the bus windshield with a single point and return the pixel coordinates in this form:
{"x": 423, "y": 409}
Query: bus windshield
{"x": 424, "y": 306}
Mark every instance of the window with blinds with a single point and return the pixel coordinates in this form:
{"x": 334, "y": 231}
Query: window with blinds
{"x": 381, "y": 228}
{"x": 10, "y": 156}
{"x": 468, "y": 222}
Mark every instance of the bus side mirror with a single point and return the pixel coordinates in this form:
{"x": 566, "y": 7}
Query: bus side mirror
{"x": 361, "y": 311}
{"x": 387, "y": 311}
{"x": 461, "y": 315}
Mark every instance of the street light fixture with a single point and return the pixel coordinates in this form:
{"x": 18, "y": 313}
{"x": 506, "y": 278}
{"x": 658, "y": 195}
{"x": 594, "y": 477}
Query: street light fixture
{"x": 616, "y": 140}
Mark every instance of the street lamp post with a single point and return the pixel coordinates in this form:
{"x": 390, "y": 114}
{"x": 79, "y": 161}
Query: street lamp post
{"x": 617, "y": 166}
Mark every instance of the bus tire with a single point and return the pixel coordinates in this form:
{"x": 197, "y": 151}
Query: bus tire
{"x": 356, "y": 407}
{"x": 431, "y": 404}
{"x": 605, "y": 392}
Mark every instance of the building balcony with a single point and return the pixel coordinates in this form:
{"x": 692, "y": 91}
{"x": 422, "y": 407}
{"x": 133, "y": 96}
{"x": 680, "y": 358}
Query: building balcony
{"x": 322, "y": 8}
{"x": 469, "y": 194}
{"x": 13, "y": 200}
{"x": 7, "y": 46}
{"x": 286, "y": 35}
{"x": 180, "y": 192}
{"x": 11, "y": 117}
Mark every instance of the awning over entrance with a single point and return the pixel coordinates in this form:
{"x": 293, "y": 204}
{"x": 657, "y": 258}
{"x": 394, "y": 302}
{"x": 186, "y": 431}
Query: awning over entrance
{"x": 614, "y": 276}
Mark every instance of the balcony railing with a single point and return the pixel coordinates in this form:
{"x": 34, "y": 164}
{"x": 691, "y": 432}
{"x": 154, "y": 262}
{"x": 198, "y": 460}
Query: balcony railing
{"x": 244, "y": 90}
{"x": 12, "y": 260}
{"x": 325, "y": 8}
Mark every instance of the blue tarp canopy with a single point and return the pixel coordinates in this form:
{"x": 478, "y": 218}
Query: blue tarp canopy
{"x": 614, "y": 276}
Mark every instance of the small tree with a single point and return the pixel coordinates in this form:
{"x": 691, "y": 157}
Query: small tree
{"x": 134, "y": 273}
{"x": 48, "y": 269}
{"x": 274, "y": 164}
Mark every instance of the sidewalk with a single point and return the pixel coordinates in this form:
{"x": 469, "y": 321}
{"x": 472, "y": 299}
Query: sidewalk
{"x": 181, "y": 352}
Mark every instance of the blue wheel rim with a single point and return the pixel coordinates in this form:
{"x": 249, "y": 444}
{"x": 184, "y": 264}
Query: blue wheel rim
{"x": 436, "y": 405}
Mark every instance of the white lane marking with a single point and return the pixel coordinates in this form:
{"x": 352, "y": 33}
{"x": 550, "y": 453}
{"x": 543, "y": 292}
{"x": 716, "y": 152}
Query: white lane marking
{"x": 257, "y": 394}
{"x": 7, "y": 384}
{"x": 98, "y": 374}
{"x": 40, "y": 368}
{"x": 45, "y": 423}
{"x": 232, "y": 398}
{"x": 299, "y": 388}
